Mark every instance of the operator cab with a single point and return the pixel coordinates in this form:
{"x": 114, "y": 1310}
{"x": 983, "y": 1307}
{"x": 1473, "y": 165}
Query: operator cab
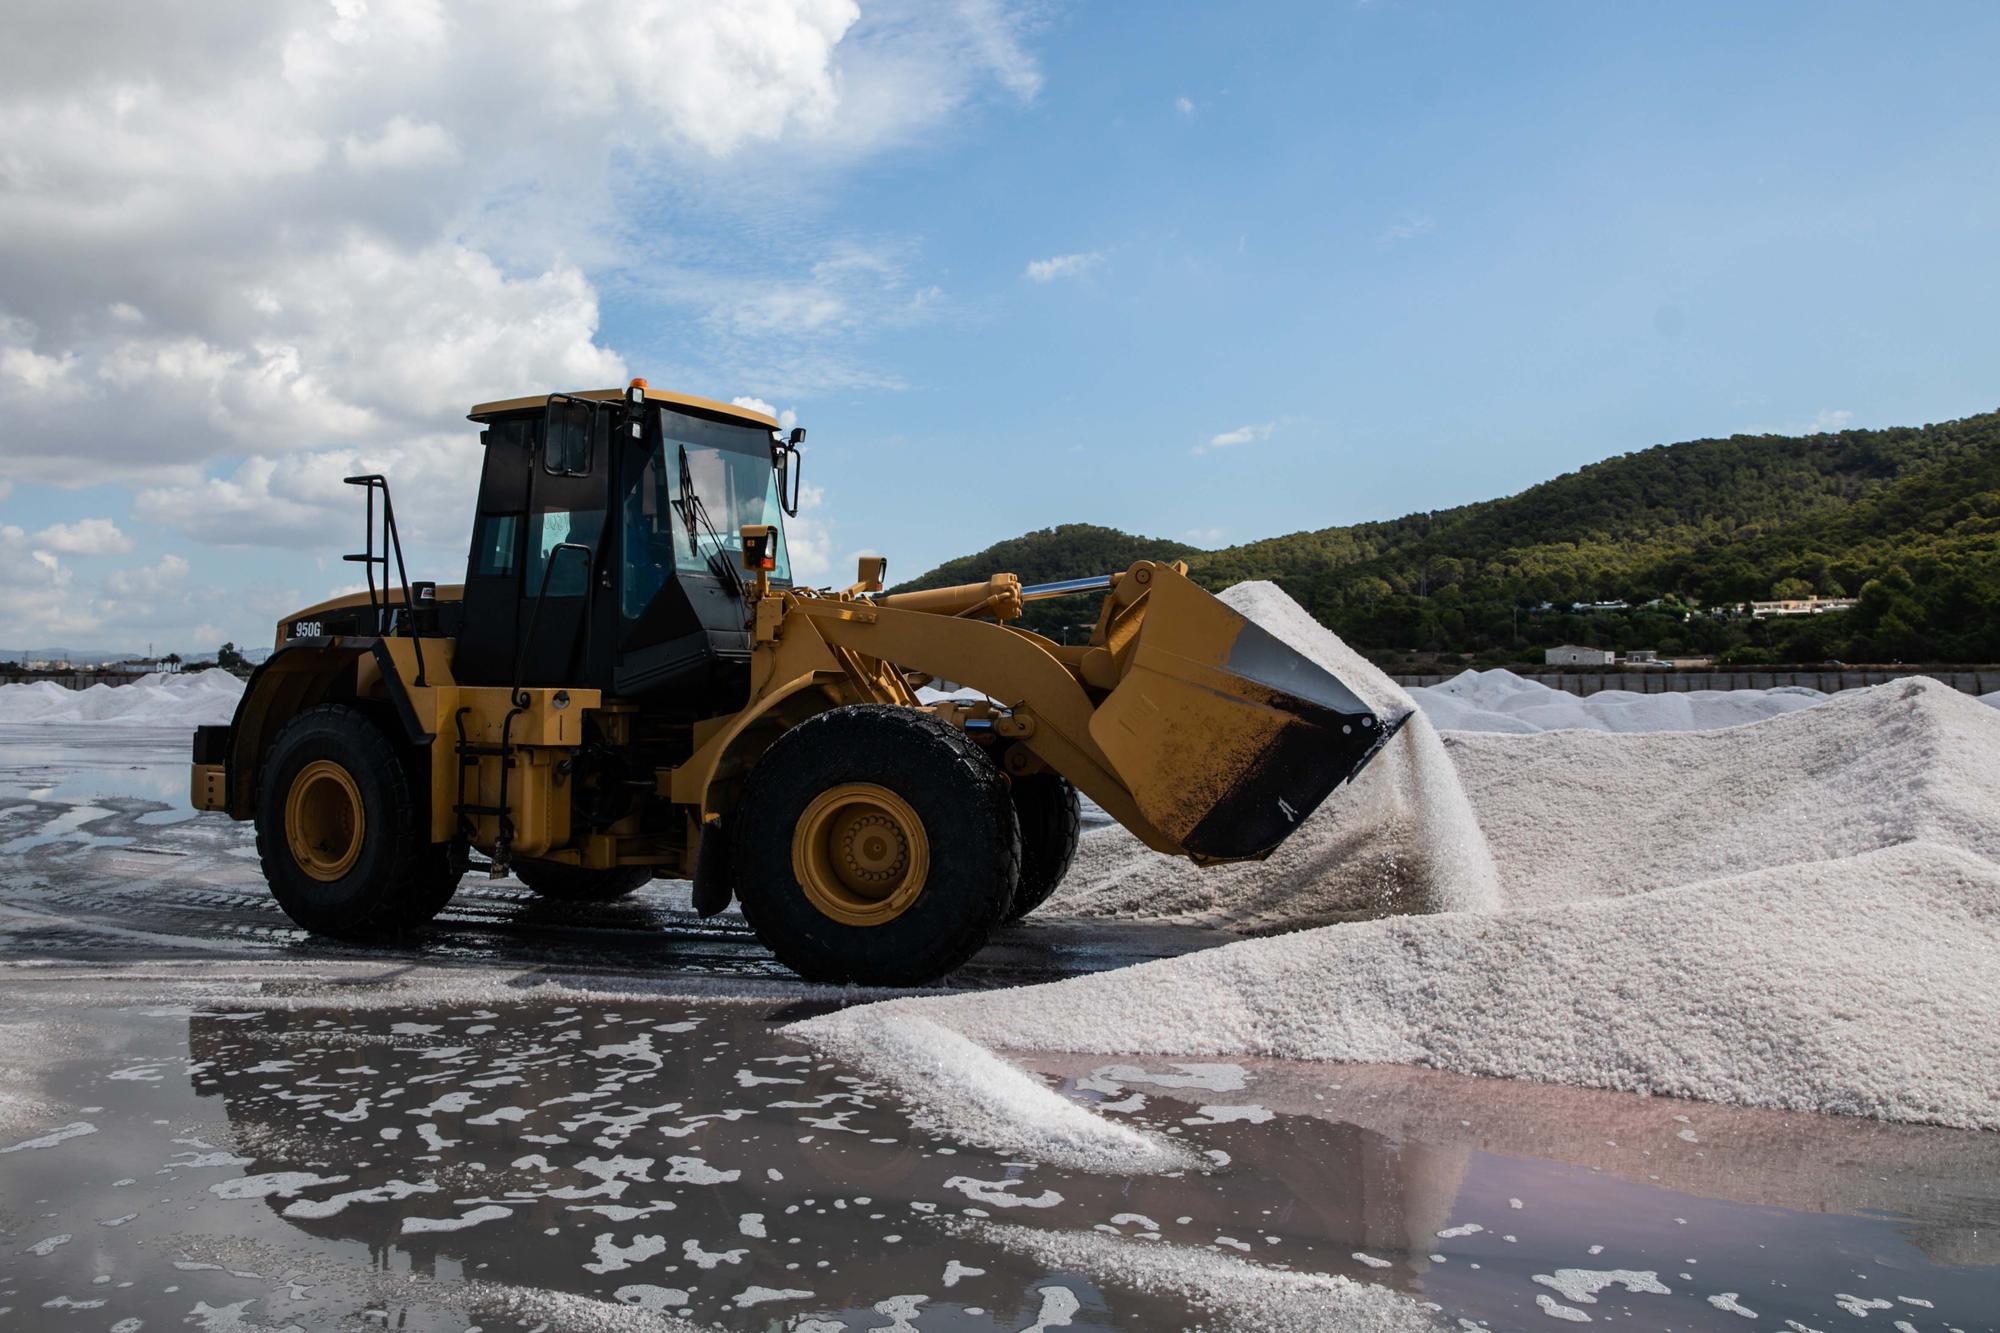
{"x": 606, "y": 549}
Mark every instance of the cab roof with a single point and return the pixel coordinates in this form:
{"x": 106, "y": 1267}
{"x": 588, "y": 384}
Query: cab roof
{"x": 744, "y": 414}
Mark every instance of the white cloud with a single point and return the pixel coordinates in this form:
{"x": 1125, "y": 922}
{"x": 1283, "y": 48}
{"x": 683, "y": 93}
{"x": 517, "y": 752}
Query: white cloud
{"x": 154, "y": 580}
{"x": 301, "y": 501}
{"x": 86, "y": 536}
{"x": 1184, "y": 105}
{"x": 1061, "y": 266}
{"x": 402, "y": 145}
{"x": 1825, "y": 421}
{"x": 785, "y": 419}
{"x": 302, "y": 224}
{"x": 809, "y": 537}
{"x": 1230, "y": 439}
{"x": 996, "y": 36}
{"x": 1408, "y": 229}
{"x": 35, "y": 597}
{"x": 1206, "y": 536}
{"x": 249, "y": 246}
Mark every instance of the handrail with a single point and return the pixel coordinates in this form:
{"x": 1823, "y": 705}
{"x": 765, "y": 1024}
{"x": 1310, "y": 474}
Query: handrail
{"x": 535, "y": 612}
{"x": 392, "y": 540}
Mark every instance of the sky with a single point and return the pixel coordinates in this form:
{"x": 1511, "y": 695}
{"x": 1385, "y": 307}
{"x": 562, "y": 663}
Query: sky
{"x": 1209, "y": 272}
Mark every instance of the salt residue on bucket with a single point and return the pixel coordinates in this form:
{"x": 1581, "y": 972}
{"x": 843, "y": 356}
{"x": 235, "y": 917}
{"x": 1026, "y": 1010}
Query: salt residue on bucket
{"x": 1400, "y": 838}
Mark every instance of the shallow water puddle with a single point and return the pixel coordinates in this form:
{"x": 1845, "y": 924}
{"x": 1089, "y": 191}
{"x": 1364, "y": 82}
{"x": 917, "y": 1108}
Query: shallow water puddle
{"x": 515, "y": 1162}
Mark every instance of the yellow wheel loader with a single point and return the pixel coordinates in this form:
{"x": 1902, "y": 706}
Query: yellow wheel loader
{"x": 630, "y": 684}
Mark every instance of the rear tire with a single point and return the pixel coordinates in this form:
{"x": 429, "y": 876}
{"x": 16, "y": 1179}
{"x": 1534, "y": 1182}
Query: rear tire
{"x": 341, "y": 833}
{"x": 576, "y": 884}
{"x": 433, "y": 888}
{"x": 875, "y": 845}
{"x": 1051, "y": 821}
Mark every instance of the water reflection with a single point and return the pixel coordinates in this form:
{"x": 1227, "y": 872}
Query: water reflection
{"x": 652, "y": 1153}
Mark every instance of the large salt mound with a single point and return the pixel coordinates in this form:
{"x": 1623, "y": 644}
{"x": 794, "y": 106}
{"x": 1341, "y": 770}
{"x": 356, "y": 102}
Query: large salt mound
{"x": 194, "y": 699}
{"x": 1865, "y": 986}
{"x": 1802, "y": 913}
{"x": 1499, "y": 700}
{"x": 1400, "y": 838}
{"x": 1572, "y": 815}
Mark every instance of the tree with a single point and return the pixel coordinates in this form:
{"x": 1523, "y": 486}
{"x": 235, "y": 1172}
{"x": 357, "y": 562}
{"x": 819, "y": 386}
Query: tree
{"x": 1791, "y": 590}
{"x": 227, "y": 657}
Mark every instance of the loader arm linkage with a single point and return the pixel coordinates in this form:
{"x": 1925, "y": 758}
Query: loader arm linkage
{"x": 1196, "y": 729}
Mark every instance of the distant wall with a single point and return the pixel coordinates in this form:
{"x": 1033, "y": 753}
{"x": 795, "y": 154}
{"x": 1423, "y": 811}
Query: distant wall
{"x": 1984, "y": 680}
{"x": 69, "y": 680}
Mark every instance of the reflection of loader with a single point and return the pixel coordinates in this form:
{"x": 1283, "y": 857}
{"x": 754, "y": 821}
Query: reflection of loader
{"x": 630, "y": 684}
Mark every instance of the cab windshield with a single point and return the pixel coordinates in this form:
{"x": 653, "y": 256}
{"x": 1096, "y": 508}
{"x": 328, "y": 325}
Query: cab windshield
{"x": 730, "y": 471}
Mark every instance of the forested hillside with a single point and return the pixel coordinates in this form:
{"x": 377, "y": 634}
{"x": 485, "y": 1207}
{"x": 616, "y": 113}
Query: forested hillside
{"x": 1072, "y": 550}
{"x": 1906, "y": 519}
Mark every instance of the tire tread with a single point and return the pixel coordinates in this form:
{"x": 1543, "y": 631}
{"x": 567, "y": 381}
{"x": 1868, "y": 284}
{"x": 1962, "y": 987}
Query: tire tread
{"x": 905, "y": 734}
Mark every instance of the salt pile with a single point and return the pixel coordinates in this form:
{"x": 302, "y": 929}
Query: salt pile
{"x": 192, "y": 699}
{"x": 1499, "y": 700}
{"x": 1863, "y": 986}
{"x": 1575, "y": 815}
{"x": 1234, "y": 1292}
{"x": 1401, "y": 838}
{"x": 1800, "y": 913}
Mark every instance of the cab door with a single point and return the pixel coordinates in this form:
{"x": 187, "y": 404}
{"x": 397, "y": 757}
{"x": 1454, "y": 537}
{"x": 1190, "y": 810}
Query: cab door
{"x": 566, "y": 617}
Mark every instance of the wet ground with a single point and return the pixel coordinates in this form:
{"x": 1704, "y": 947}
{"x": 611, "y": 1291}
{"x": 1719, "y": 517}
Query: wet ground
{"x": 591, "y": 1118}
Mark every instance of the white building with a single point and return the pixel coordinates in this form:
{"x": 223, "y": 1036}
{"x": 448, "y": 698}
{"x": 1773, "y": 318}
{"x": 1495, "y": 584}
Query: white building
{"x": 1802, "y": 606}
{"x": 1571, "y": 655}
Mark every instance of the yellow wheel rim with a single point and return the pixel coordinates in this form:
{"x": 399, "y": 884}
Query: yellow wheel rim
{"x": 861, "y": 854}
{"x": 324, "y": 821}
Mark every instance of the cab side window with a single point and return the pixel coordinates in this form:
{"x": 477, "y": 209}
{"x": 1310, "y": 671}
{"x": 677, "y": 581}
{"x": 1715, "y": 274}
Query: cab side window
{"x": 497, "y": 545}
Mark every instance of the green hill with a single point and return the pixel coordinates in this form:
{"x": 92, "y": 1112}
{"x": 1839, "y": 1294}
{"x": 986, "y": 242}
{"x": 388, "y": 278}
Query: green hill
{"x": 1907, "y": 519}
{"x": 1070, "y": 551}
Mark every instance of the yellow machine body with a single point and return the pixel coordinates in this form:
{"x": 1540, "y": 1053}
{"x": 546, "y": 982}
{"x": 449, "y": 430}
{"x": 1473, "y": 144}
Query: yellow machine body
{"x": 673, "y": 706}
{"x": 1188, "y": 724}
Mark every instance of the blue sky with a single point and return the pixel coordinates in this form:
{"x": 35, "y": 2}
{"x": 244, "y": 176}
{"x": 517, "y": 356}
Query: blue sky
{"x": 1200, "y": 272}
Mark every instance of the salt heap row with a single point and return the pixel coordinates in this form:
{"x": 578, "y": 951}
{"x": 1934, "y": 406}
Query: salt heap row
{"x": 191, "y": 699}
{"x": 1802, "y": 913}
{"x": 1499, "y": 700}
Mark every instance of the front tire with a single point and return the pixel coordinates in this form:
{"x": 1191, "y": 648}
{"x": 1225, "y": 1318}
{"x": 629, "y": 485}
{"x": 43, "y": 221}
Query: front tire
{"x": 342, "y": 836}
{"x": 576, "y": 884}
{"x": 875, "y": 845}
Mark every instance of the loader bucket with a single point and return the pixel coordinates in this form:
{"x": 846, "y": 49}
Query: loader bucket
{"x": 1227, "y": 738}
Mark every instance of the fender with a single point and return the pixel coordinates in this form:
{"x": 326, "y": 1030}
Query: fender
{"x": 729, "y": 752}
{"x": 300, "y": 675}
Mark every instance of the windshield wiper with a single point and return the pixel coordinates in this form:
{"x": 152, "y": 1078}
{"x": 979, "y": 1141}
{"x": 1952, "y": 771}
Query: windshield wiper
{"x": 694, "y": 511}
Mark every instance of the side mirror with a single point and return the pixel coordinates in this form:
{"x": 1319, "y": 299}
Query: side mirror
{"x": 785, "y": 459}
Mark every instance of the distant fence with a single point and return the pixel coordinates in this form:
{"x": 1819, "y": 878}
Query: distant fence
{"x": 69, "y": 680}
{"x": 1984, "y": 680}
